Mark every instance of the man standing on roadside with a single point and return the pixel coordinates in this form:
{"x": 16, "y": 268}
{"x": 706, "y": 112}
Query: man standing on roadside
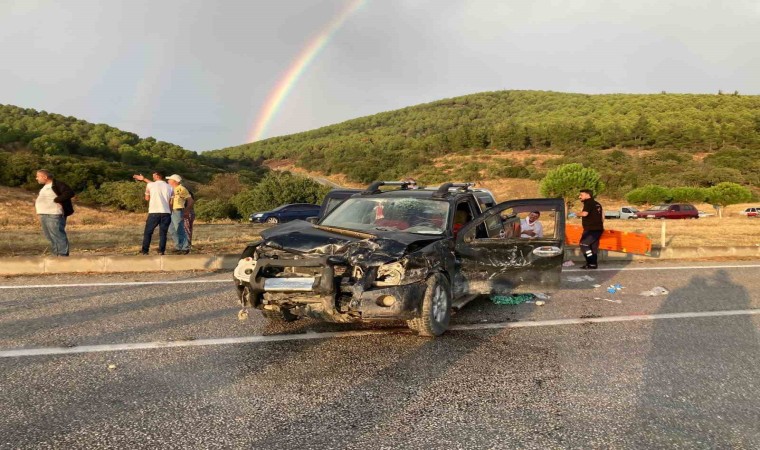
{"x": 53, "y": 206}
{"x": 182, "y": 203}
{"x": 158, "y": 195}
{"x": 592, "y": 219}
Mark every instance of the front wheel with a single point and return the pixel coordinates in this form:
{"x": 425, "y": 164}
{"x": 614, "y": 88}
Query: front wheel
{"x": 278, "y": 316}
{"x": 436, "y": 308}
{"x": 273, "y": 220}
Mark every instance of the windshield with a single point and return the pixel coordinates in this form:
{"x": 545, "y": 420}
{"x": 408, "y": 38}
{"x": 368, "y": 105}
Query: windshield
{"x": 660, "y": 208}
{"x": 410, "y": 215}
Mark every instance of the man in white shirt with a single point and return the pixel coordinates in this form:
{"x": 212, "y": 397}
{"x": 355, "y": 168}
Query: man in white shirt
{"x": 530, "y": 227}
{"x": 53, "y": 206}
{"x": 157, "y": 193}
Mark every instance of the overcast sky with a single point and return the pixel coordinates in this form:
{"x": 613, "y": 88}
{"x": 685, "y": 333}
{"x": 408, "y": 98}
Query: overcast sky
{"x": 198, "y": 73}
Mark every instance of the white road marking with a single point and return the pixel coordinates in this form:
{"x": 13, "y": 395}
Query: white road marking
{"x": 193, "y": 281}
{"x": 125, "y": 283}
{"x": 46, "y": 351}
{"x": 630, "y": 269}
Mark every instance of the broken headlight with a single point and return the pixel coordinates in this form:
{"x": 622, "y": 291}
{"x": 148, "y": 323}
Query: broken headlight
{"x": 394, "y": 274}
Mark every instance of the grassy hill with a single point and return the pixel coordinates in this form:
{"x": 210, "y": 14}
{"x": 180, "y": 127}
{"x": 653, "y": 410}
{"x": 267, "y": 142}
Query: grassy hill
{"x": 87, "y": 155}
{"x": 632, "y": 140}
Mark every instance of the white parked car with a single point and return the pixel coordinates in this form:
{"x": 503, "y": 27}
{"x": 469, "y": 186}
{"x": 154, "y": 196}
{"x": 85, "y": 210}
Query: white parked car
{"x": 625, "y": 212}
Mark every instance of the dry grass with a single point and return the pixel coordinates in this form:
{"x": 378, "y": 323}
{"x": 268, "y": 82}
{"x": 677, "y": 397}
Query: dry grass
{"x": 731, "y": 230}
{"x": 106, "y": 231}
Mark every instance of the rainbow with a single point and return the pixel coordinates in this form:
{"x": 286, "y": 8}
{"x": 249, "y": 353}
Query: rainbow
{"x": 296, "y": 69}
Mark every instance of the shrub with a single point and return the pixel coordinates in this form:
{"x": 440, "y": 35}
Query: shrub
{"x": 565, "y": 181}
{"x": 277, "y": 189}
{"x": 650, "y": 193}
{"x": 127, "y": 195}
{"x": 688, "y": 194}
{"x": 214, "y": 209}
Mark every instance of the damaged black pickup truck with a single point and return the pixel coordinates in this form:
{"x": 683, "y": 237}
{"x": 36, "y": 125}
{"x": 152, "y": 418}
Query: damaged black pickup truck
{"x": 401, "y": 254}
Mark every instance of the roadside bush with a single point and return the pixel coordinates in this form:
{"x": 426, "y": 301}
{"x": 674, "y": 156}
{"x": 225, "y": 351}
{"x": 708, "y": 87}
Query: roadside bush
{"x": 725, "y": 194}
{"x": 127, "y": 195}
{"x": 650, "y": 193}
{"x": 214, "y": 209}
{"x": 688, "y": 194}
{"x": 277, "y": 189}
{"x": 565, "y": 181}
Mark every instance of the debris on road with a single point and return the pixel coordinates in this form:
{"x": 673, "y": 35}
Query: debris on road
{"x": 243, "y": 314}
{"x": 608, "y": 300}
{"x": 655, "y": 291}
{"x": 540, "y": 303}
{"x": 596, "y": 285}
{"x": 580, "y": 279}
{"x": 514, "y": 299}
{"x": 112, "y": 366}
{"x": 568, "y": 263}
{"x": 541, "y": 296}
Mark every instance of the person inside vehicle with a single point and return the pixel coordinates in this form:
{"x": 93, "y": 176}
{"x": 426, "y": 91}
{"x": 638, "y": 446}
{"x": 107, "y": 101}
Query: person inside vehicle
{"x": 460, "y": 219}
{"x": 530, "y": 227}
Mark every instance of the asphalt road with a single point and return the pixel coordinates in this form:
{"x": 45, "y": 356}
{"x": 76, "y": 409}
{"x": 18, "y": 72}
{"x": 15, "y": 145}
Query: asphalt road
{"x": 87, "y": 365}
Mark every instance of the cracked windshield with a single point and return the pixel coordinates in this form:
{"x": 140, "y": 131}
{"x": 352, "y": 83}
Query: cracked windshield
{"x": 409, "y": 215}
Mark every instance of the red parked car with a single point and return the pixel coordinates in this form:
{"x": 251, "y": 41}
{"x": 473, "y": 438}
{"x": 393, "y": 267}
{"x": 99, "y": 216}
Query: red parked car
{"x": 670, "y": 211}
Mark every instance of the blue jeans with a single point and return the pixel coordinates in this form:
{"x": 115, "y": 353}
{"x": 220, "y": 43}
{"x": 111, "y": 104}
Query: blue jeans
{"x": 54, "y": 228}
{"x": 162, "y": 221}
{"x": 177, "y": 230}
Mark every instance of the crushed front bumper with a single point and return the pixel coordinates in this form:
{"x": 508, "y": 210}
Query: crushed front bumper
{"x": 324, "y": 288}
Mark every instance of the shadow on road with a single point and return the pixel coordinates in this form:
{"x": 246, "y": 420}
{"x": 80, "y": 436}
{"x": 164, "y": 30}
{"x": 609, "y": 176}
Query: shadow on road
{"x": 699, "y": 386}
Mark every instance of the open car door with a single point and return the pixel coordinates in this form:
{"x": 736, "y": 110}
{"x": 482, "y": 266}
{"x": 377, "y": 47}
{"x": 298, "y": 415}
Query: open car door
{"x": 495, "y": 255}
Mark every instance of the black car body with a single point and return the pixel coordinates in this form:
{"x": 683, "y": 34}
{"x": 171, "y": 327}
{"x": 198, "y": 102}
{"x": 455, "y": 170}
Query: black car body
{"x": 335, "y": 198}
{"x": 404, "y": 258}
{"x": 286, "y": 213}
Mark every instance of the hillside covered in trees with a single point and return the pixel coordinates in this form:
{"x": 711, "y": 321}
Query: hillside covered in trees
{"x": 87, "y": 155}
{"x": 98, "y": 162}
{"x": 632, "y": 140}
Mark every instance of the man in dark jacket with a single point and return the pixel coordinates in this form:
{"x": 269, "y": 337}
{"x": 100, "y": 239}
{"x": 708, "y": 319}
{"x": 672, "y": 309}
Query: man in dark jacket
{"x": 53, "y": 206}
{"x": 592, "y": 219}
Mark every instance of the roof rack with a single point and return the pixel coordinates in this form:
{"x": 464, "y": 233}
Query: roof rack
{"x": 443, "y": 190}
{"x": 374, "y": 188}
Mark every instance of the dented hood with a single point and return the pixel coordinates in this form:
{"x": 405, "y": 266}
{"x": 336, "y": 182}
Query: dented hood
{"x": 302, "y": 237}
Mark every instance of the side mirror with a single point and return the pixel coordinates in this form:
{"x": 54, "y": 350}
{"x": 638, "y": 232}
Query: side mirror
{"x": 312, "y": 220}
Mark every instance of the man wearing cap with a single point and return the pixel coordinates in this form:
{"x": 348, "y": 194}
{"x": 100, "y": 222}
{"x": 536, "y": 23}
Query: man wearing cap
{"x": 179, "y": 202}
{"x": 158, "y": 194}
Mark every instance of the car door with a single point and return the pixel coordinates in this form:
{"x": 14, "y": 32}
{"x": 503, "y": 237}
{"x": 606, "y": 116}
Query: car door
{"x": 491, "y": 257}
{"x": 283, "y": 214}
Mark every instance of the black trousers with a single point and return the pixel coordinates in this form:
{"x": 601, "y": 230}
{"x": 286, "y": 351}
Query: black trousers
{"x": 162, "y": 221}
{"x": 590, "y": 246}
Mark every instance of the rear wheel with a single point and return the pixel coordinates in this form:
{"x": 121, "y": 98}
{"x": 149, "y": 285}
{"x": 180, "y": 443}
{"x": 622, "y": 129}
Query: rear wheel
{"x": 436, "y": 308}
{"x": 278, "y": 315}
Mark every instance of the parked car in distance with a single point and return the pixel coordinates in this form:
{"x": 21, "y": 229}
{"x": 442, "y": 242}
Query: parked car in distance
{"x": 625, "y": 212}
{"x": 670, "y": 211}
{"x": 286, "y": 213}
{"x": 751, "y": 212}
